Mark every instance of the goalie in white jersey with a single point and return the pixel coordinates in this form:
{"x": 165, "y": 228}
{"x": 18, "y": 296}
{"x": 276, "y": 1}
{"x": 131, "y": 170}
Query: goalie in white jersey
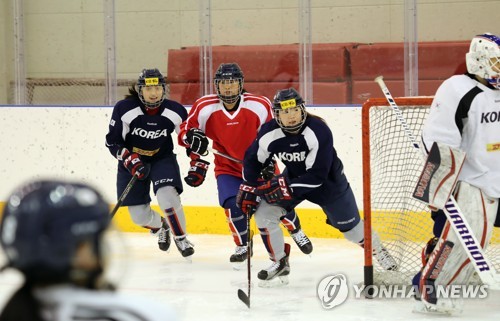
{"x": 51, "y": 232}
{"x": 464, "y": 115}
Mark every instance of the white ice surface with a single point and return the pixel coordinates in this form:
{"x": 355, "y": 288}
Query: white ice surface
{"x": 206, "y": 289}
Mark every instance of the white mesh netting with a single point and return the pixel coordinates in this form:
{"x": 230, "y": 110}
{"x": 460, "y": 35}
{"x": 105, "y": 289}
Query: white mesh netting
{"x": 403, "y": 223}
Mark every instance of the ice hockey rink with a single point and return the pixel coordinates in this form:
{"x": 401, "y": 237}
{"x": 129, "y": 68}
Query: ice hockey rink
{"x": 206, "y": 289}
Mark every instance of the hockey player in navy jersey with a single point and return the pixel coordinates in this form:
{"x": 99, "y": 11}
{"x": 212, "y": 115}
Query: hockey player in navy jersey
{"x": 304, "y": 143}
{"x": 464, "y": 115}
{"x": 140, "y": 138}
{"x": 52, "y": 232}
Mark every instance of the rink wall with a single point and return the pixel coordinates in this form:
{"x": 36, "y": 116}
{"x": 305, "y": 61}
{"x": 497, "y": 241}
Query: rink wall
{"x": 68, "y": 142}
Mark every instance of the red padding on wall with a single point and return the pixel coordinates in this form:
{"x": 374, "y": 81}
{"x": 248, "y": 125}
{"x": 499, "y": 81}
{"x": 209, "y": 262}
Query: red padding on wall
{"x": 437, "y": 60}
{"x": 364, "y": 89}
{"x": 323, "y": 92}
{"x": 273, "y": 63}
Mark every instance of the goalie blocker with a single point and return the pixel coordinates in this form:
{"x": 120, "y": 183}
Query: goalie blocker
{"x": 439, "y": 175}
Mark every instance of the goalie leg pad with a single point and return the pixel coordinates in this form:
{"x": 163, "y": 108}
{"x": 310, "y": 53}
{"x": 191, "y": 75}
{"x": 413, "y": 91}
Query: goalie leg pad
{"x": 439, "y": 175}
{"x": 448, "y": 263}
{"x": 443, "y": 307}
{"x": 497, "y": 220}
{"x": 428, "y": 249}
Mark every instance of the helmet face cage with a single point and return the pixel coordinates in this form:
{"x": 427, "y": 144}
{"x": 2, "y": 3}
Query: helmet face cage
{"x": 229, "y": 73}
{"x": 151, "y": 77}
{"x": 285, "y": 99}
{"x": 483, "y": 58}
{"x": 61, "y": 215}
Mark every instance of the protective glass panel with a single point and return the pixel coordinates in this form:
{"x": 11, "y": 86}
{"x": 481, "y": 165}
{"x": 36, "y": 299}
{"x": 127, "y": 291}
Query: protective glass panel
{"x": 88, "y": 52}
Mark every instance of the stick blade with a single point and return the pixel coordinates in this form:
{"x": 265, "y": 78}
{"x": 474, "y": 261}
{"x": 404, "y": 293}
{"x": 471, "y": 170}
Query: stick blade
{"x": 244, "y": 297}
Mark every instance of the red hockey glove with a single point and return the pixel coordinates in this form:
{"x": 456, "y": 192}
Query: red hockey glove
{"x": 197, "y": 172}
{"x": 276, "y": 190}
{"x": 247, "y": 199}
{"x": 133, "y": 164}
{"x": 197, "y": 140}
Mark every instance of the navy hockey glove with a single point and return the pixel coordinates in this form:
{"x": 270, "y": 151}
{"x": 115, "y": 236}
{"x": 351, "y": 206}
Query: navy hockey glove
{"x": 247, "y": 199}
{"x": 269, "y": 171}
{"x": 276, "y": 190}
{"x": 197, "y": 172}
{"x": 198, "y": 142}
{"x": 133, "y": 164}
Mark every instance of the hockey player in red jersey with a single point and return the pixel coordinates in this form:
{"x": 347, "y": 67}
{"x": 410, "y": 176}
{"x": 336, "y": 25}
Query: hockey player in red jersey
{"x": 231, "y": 119}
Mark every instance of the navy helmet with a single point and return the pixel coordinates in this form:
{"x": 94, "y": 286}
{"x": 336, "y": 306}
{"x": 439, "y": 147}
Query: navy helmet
{"x": 229, "y": 72}
{"x": 285, "y": 99}
{"x": 151, "y": 77}
{"x": 45, "y": 221}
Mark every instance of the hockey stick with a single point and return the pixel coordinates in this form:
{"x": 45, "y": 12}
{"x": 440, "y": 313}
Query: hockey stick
{"x": 215, "y": 151}
{"x": 468, "y": 240}
{"x": 245, "y": 297}
{"x": 124, "y": 195}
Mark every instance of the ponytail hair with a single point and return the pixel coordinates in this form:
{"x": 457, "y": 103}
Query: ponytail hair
{"x": 316, "y": 116}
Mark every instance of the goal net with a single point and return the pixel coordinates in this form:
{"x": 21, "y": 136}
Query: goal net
{"x": 71, "y": 91}
{"x": 391, "y": 167}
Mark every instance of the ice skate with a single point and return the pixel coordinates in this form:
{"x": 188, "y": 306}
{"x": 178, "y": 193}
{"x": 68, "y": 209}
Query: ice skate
{"x": 184, "y": 246}
{"x": 164, "y": 237}
{"x": 442, "y": 307}
{"x": 277, "y": 273}
{"x": 383, "y": 256}
{"x": 240, "y": 256}
{"x": 302, "y": 240}
{"x": 385, "y": 259}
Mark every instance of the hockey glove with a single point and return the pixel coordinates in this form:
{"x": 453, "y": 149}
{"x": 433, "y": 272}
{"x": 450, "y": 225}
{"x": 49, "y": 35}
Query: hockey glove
{"x": 197, "y": 172}
{"x": 269, "y": 171}
{"x": 133, "y": 164}
{"x": 197, "y": 140}
{"x": 247, "y": 199}
{"x": 276, "y": 190}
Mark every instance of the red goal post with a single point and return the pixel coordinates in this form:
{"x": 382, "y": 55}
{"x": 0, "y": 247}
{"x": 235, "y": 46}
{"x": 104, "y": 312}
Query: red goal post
{"x": 391, "y": 167}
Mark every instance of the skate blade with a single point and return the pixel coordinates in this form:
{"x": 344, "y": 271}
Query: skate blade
{"x": 274, "y": 283}
{"x": 238, "y": 266}
{"x": 421, "y": 307}
{"x": 189, "y": 259}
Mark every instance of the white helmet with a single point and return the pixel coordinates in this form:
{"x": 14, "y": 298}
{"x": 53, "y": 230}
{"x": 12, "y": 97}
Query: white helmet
{"x": 483, "y": 55}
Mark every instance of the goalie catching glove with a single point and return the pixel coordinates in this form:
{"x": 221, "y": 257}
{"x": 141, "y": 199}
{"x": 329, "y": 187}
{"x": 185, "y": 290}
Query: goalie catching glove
{"x": 198, "y": 141}
{"x": 276, "y": 191}
{"x": 247, "y": 199}
{"x": 197, "y": 172}
{"x": 133, "y": 164}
